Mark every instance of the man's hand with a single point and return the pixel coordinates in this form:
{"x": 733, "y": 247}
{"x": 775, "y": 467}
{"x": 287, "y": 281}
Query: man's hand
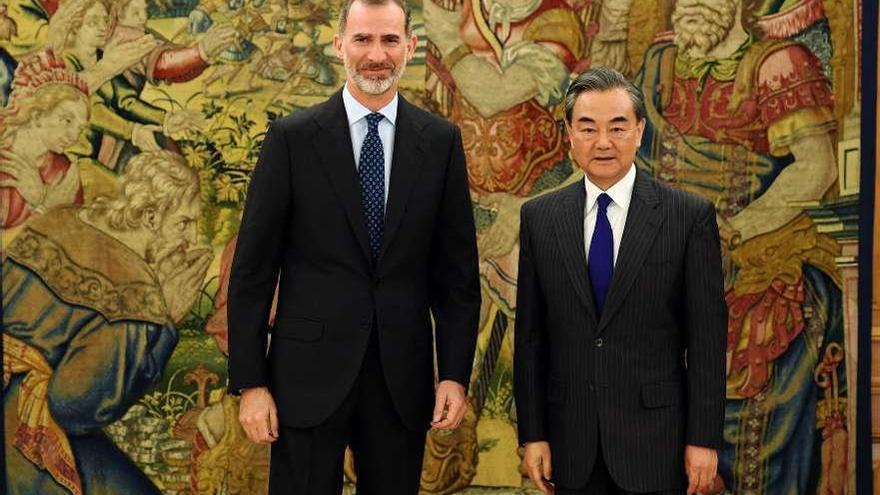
{"x": 63, "y": 192}
{"x": 24, "y": 177}
{"x": 182, "y": 274}
{"x": 451, "y": 400}
{"x": 701, "y": 466}
{"x": 182, "y": 120}
{"x": 119, "y": 56}
{"x": 537, "y": 461}
{"x": 144, "y": 138}
{"x": 218, "y": 38}
{"x": 258, "y": 416}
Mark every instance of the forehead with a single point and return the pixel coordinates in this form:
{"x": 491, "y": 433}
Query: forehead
{"x": 96, "y": 9}
{"x": 604, "y": 105}
{"x": 699, "y": 3}
{"x": 366, "y": 18}
{"x": 70, "y": 106}
{"x": 187, "y": 209}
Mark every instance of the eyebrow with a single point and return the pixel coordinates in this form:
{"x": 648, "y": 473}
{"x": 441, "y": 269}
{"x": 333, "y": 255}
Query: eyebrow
{"x": 590, "y": 120}
{"x": 384, "y": 37}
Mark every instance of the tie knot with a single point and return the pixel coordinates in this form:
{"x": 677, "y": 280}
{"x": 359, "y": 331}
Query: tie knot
{"x": 604, "y": 200}
{"x": 373, "y": 120}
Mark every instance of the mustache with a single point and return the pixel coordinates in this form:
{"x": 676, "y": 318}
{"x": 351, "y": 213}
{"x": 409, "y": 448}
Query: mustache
{"x": 375, "y": 67}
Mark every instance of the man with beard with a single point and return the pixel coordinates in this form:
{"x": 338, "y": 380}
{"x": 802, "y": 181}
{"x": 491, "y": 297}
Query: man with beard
{"x": 90, "y": 299}
{"x": 747, "y": 123}
{"x": 359, "y": 208}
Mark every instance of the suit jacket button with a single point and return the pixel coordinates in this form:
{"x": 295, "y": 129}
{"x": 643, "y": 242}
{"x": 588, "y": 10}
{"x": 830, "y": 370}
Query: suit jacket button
{"x": 377, "y": 282}
{"x": 599, "y": 342}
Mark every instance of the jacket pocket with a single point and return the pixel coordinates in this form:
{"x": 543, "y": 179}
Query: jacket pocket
{"x": 296, "y": 328}
{"x": 661, "y": 394}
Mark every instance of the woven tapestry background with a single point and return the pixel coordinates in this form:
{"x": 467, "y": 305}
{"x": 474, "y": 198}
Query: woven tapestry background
{"x": 115, "y": 113}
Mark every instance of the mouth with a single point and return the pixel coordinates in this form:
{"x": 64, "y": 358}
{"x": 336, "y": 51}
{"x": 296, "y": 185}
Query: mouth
{"x": 375, "y": 72}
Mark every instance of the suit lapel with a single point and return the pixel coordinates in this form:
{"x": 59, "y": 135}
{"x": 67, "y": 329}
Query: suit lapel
{"x": 406, "y": 166}
{"x": 569, "y": 221}
{"x": 333, "y": 144}
{"x": 642, "y": 224}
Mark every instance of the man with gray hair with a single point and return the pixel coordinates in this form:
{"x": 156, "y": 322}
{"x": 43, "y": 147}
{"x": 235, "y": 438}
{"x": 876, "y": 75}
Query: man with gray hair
{"x": 359, "y": 208}
{"x": 621, "y": 324}
{"x": 91, "y": 297}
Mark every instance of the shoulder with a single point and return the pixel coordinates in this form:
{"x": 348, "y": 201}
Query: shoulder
{"x": 299, "y": 120}
{"x": 785, "y": 64}
{"x": 547, "y": 203}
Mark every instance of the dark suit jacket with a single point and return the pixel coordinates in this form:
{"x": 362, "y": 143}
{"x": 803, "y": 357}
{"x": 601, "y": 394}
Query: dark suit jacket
{"x": 303, "y": 219}
{"x": 648, "y": 376}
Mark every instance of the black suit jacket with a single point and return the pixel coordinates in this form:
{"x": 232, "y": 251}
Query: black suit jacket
{"x": 303, "y": 220}
{"x": 648, "y": 376}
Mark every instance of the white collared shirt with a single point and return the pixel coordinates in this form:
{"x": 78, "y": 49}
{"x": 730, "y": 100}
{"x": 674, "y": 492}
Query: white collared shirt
{"x": 621, "y": 194}
{"x": 358, "y": 128}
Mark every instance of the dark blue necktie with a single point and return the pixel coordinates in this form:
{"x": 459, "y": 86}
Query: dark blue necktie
{"x": 600, "y": 260}
{"x": 371, "y": 173}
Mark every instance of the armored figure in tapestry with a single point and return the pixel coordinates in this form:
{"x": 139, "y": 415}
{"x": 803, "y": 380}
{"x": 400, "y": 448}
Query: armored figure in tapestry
{"x": 747, "y": 121}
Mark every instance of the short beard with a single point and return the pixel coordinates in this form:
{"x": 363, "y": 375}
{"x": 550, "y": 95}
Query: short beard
{"x": 716, "y": 20}
{"x": 374, "y": 86}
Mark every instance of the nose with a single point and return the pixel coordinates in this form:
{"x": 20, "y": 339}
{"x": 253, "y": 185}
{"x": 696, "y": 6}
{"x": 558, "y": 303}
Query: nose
{"x": 376, "y": 54}
{"x": 190, "y": 236}
{"x": 603, "y": 142}
{"x": 72, "y": 132}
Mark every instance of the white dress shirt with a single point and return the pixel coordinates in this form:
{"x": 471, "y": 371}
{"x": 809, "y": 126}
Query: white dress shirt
{"x": 621, "y": 194}
{"x": 358, "y": 127}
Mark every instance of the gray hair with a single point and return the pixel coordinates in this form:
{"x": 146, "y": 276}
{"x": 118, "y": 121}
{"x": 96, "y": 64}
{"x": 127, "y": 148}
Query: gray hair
{"x": 346, "y": 7}
{"x": 598, "y": 79}
{"x": 156, "y": 182}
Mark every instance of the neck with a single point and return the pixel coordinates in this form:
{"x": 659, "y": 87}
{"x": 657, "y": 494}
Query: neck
{"x": 372, "y": 102}
{"x": 32, "y": 150}
{"x": 606, "y": 183}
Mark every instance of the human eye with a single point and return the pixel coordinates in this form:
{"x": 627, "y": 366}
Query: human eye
{"x": 619, "y": 132}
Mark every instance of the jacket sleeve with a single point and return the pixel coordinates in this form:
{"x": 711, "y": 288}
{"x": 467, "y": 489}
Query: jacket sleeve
{"x": 530, "y": 348}
{"x": 455, "y": 283}
{"x": 257, "y": 261}
{"x": 706, "y": 332}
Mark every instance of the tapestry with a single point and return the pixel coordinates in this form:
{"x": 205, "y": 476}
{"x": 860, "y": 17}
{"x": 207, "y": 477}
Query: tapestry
{"x": 129, "y": 128}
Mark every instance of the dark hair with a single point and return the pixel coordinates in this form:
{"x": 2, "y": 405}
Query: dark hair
{"x": 346, "y": 6}
{"x": 599, "y": 79}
